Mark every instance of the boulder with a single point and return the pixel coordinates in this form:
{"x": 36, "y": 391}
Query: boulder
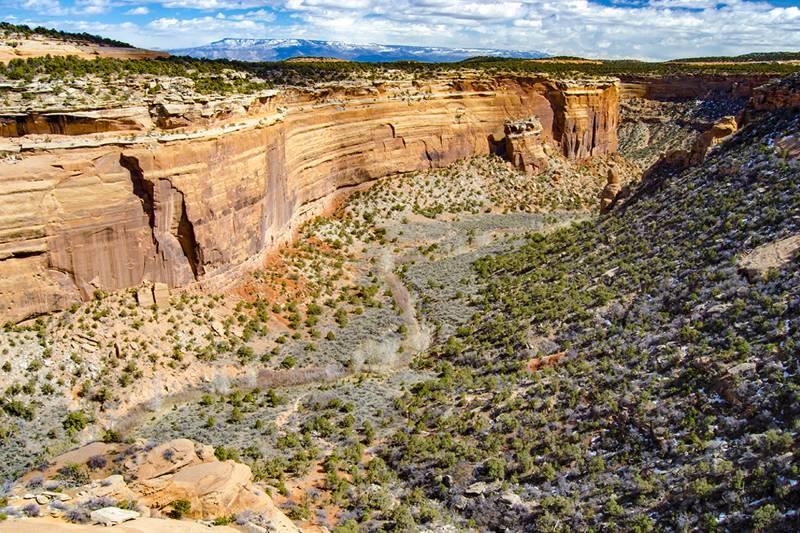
{"x": 175, "y": 470}
{"x": 771, "y": 256}
{"x": 111, "y": 516}
{"x": 166, "y": 458}
{"x": 113, "y": 487}
{"x": 161, "y": 294}
{"x": 144, "y": 296}
{"x": 214, "y": 489}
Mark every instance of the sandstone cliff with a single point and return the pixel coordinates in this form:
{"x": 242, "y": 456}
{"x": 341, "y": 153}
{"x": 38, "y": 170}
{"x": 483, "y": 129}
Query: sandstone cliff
{"x": 688, "y": 86}
{"x": 156, "y": 197}
{"x": 18, "y": 46}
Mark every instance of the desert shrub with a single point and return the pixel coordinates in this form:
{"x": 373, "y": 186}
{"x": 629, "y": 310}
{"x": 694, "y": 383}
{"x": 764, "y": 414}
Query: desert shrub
{"x": 179, "y": 508}
{"x": 31, "y": 510}
{"x": 93, "y": 504}
{"x": 72, "y": 474}
{"x": 495, "y": 468}
{"x": 111, "y": 436}
{"x": 97, "y": 462}
{"x": 76, "y": 515}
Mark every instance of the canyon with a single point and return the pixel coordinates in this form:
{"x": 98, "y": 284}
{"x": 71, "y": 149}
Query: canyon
{"x": 193, "y": 194}
{"x": 189, "y": 195}
{"x": 338, "y": 298}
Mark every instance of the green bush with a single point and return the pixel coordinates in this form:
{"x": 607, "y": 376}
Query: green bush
{"x": 75, "y": 421}
{"x": 179, "y": 509}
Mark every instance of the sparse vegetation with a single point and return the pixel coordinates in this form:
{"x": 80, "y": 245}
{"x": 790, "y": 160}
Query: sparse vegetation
{"x": 467, "y": 347}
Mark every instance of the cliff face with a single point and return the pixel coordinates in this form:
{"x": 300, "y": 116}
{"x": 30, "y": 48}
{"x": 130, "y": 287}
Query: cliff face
{"x": 588, "y": 115}
{"x": 780, "y": 94}
{"x": 80, "y": 213}
{"x": 687, "y": 86}
{"x": 19, "y": 46}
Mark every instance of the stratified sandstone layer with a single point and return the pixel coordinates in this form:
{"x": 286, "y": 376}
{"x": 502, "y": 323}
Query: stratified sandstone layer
{"x": 182, "y": 204}
{"x": 524, "y": 146}
{"x": 17, "y": 46}
{"x": 686, "y": 86}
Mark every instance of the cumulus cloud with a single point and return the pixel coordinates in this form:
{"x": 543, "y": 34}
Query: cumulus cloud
{"x": 647, "y": 29}
{"x": 216, "y": 4}
{"x": 141, "y": 10}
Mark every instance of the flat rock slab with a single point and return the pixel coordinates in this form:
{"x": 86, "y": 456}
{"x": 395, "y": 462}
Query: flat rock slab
{"x": 111, "y": 516}
{"x": 139, "y": 525}
{"x": 770, "y": 256}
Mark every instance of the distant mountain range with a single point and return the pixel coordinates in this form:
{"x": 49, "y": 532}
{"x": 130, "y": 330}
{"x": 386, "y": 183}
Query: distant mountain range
{"x": 280, "y": 49}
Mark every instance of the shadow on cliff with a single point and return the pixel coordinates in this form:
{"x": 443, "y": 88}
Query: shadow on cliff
{"x": 178, "y": 257}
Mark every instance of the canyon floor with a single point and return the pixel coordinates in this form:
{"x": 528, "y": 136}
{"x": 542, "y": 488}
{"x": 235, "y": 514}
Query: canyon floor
{"x": 468, "y": 348}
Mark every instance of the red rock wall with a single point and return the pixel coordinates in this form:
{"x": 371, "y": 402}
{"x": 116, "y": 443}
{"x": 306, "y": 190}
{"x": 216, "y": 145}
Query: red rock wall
{"x": 685, "y": 87}
{"x": 192, "y": 210}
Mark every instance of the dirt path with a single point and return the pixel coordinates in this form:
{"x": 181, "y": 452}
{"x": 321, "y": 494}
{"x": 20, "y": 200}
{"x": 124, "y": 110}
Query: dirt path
{"x": 283, "y": 418}
{"x": 417, "y": 337}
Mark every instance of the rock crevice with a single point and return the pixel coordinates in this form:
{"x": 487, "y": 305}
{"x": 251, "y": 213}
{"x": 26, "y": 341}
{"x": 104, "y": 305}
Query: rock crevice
{"x": 177, "y": 256}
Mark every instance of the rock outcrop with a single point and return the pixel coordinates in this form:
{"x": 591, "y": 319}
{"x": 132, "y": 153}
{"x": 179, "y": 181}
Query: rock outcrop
{"x": 111, "y": 516}
{"x": 610, "y": 191}
{"x": 707, "y": 140}
{"x": 589, "y": 113}
{"x": 155, "y": 478}
{"x": 768, "y": 257}
{"x": 197, "y": 205}
{"x": 677, "y": 160}
{"x": 18, "y": 46}
{"x": 780, "y": 94}
{"x": 688, "y": 86}
{"x": 75, "y": 122}
{"x": 524, "y": 145}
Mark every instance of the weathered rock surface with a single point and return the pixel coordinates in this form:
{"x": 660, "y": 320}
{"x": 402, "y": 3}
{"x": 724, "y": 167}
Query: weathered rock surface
{"x": 80, "y": 214}
{"x": 704, "y": 142}
{"x": 155, "y": 477}
{"x": 111, "y": 516}
{"x": 139, "y": 525}
{"x": 780, "y": 94}
{"x": 677, "y": 160}
{"x": 589, "y": 113}
{"x": 214, "y": 489}
{"x": 75, "y": 122}
{"x": 524, "y": 145}
{"x": 770, "y": 256}
{"x": 688, "y": 86}
{"x": 168, "y": 458}
{"x": 610, "y": 191}
{"x": 18, "y": 46}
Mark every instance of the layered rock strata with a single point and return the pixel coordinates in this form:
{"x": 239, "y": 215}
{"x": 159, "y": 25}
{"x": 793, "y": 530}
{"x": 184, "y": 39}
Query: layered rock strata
{"x": 610, "y": 191}
{"x": 182, "y": 205}
{"x": 154, "y": 478}
{"x": 524, "y": 145}
{"x": 688, "y": 86}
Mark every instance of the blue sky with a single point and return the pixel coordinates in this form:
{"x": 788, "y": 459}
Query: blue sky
{"x": 646, "y": 29}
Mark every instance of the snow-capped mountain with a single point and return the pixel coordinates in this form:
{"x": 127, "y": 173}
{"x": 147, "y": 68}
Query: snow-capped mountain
{"x": 280, "y": 49}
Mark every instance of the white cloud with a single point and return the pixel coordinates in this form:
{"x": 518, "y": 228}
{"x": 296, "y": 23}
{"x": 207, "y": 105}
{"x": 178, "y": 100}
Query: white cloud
{"x": 261, "y": 15}
{"x": 141, "y": 10}
{"x": 654, "y": 29}
{"x": 56, "y": 8}
{"x": 215, "y": 4}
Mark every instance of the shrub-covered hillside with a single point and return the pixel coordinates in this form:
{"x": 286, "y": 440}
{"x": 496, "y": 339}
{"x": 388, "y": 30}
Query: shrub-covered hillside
{"x": 624, "y": 374}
